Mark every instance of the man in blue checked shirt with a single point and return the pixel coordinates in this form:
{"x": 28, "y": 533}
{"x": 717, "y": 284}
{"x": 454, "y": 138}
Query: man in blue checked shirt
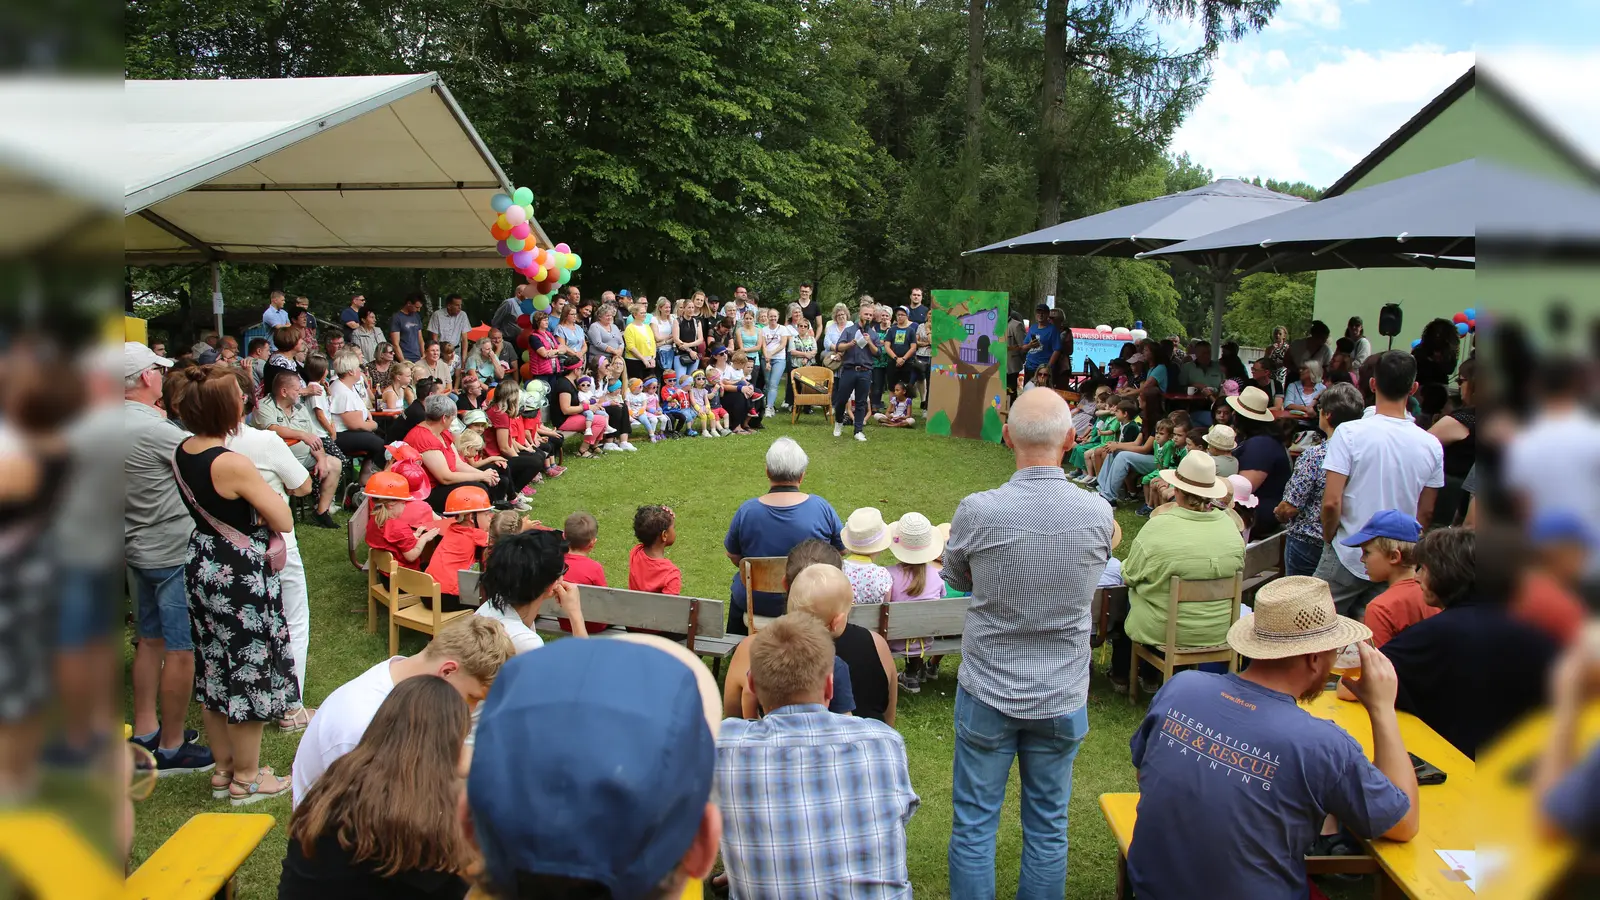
{"x": 813, "y": 804}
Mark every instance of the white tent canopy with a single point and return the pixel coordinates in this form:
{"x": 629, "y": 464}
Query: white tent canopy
{"x": 380, "y": 170}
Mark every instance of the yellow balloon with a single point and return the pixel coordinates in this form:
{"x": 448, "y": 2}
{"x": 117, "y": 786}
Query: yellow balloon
{"x": 569, "y": 260}
{"x": 501, "y": 222}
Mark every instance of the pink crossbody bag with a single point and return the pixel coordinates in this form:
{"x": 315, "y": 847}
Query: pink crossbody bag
{"x": 277, "y": 548}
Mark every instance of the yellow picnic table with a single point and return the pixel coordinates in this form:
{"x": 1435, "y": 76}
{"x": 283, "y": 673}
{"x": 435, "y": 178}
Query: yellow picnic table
{"x": 1508, "y": 811}
{"x": 1413, "y": 869}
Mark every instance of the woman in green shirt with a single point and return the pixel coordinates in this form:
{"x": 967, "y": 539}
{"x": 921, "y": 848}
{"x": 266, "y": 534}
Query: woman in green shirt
{"x": 1194, "y": 542}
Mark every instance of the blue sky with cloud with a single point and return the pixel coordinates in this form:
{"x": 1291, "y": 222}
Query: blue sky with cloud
{"x": 1328, "y": 80}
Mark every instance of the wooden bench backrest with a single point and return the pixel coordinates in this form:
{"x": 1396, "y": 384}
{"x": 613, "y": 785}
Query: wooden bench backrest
{"x": 1207, "y": 590}
{"x": 946, "y": 617}
{"x": 637, "y": 609}
{"x": 1100, "y": 611}
{"x": 1265, "y": 555}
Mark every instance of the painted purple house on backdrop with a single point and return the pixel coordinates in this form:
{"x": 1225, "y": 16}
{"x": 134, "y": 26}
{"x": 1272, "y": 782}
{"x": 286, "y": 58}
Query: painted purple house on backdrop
{"x": 981, "y": 327}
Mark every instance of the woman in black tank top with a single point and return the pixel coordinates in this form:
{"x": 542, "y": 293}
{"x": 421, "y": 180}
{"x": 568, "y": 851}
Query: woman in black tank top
{"x": 244, "y": 674}
{"x": 859, "y": 650}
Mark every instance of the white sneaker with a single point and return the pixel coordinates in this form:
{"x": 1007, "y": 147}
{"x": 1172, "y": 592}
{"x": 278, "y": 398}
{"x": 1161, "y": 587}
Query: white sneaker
{"x": 523, "y": 503}
{"x": 838, "y": 429}
{"x": 610, "y": 445}
{"x": 860, "y": 436}
{"x": 771, "y": 413}
{"x": 631, "y": 448}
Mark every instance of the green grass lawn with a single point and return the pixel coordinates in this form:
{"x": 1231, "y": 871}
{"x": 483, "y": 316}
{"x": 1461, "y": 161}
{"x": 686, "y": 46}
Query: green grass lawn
{"x": 704, "y": 480}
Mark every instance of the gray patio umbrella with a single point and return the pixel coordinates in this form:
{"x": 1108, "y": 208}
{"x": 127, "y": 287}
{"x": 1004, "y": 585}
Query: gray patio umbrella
{"x": 1131, "y": 230}
{"x": 1429, "y": 219}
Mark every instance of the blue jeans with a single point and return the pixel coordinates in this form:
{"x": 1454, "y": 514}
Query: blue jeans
{"x": 851, "y": 383}
{"x": 1119, "y": 467}
{"x": 987, "y": 740}
{"x": 684, "y": 369}
{"x": 774, "y": 369}
{"x": 1300, "y": 554}
{"x": 163, "y": 606}
{"x": 666, "y": 358}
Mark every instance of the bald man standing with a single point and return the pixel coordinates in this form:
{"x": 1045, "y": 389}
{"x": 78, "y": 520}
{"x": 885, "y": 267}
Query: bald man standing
{"x": 1031, "y": 552}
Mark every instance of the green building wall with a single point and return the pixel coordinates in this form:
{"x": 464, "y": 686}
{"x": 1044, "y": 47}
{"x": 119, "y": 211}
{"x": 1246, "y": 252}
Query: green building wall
{"x": 1476, "y": 125}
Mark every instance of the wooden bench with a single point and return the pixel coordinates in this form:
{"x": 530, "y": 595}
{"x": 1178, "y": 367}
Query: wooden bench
{"x": 1103, "y": 610}
{"x": 1121, "y": 812}
{"x": 941, "y": 621}
{"x": 200, "y": 859}
{"x": 700, "y": 621}
{"x": 1263, "y": 561}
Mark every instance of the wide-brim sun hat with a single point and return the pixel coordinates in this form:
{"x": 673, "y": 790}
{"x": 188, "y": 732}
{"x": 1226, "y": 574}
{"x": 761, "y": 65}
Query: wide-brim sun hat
{"x": 865, "y": 532}
{"x": 1294, "y": 616}
{"x": 1197, "y": 475}
{"x": 474, "y": 417}
{"x": 1252, "y": 403}
{"x": 1244, "y": 493}
{"x": 913, "y": 539}
{"x": 1221, "y": 437}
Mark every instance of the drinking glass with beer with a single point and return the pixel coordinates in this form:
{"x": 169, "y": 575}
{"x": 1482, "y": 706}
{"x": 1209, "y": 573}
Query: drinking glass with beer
{"x": 1348, "y": 663}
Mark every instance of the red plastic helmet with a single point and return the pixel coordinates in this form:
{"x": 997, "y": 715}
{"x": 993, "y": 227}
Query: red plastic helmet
{"x": 416, "y": 478}
{"x": 401, "y": 451}
{"x": 387, "y": 486}
{"x": 468, "y": 499}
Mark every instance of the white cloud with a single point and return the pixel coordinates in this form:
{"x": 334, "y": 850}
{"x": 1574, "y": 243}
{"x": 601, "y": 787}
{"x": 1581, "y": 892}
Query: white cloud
{"x": 1557, "y": 84}
{"x": 1293, "y": 14}
{"x": 1312, "y": 125}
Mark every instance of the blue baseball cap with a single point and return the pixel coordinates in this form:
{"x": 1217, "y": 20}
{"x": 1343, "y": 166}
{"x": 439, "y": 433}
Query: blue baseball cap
{"x": 593, "y": 760}
{"x": 624, "y": 293}
{"x": 1559, "y": 526}
{"x": 1386, "y": 523}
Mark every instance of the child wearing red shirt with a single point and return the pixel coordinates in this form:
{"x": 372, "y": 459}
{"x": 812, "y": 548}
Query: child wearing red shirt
{"x": 462, "y": 544}
{"x": 397, "y": 524}
{"x": 649, "y": 570}
{"x": 1387, "y": 542}
{"x": 582, "y": 533}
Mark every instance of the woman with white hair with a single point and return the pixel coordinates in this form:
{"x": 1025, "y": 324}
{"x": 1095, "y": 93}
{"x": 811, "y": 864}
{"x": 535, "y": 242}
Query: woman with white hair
{"x": 445, "y": 468}
{"x": 773, "y": 523}
{"x": 1302, "y": 396}
{"x": 351, "y": 410}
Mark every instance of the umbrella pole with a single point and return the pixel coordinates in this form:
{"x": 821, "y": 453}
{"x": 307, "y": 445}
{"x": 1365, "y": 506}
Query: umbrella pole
{"x": 216, "y": 295}
{"x": 1219, "y": 291}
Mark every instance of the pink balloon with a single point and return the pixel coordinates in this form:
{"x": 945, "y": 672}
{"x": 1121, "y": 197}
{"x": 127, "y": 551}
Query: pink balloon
{"x": 562, "y": 248}
{"x": 521, "y": 231}
{"x": 515, "y": 216}
{"x": 522, "y": 259}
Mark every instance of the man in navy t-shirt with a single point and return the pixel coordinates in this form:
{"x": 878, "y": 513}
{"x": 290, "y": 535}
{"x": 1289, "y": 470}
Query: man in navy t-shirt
{"x": 1236, "y": 780}
{"x": 1043, "y": 343}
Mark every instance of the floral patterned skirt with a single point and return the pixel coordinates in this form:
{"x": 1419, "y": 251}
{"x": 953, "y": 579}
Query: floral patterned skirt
{"x": 243, "y": 665}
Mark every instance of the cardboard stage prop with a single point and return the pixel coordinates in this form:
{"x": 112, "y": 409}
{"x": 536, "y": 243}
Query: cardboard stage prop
{"x": 968, "y": 374}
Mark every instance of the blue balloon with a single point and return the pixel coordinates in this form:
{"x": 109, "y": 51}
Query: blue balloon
{"x": 500, "y": 202}
{"x": 1416, "y": 343}
{"x": 1472, "y": 312}
{"x": 1461, "y": 328}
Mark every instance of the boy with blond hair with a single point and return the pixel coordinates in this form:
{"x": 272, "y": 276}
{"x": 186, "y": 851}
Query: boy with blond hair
{"x": 816, "y": 592}
{"x": 467, "y": 652}
{"x": 1387, "y": 543}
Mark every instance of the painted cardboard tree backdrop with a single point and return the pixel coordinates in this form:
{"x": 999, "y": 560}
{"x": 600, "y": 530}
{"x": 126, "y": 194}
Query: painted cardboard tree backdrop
{"x": 968, "y": 375}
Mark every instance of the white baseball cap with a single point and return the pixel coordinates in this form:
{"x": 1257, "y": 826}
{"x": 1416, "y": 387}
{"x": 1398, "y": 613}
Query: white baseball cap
{"x": 137, "y": 357}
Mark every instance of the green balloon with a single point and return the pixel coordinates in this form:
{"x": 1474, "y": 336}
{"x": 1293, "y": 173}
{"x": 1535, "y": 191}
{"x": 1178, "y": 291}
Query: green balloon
{"x": 522, "y": 196}
{"x": 541, "y": 301}
{"x": 566, "y": 275}
{"x": 516, "y": 244}
{"x": 577, "y": 262}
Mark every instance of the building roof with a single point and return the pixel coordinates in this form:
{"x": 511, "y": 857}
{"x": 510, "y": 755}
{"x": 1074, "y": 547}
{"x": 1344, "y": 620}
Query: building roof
{"x": 1458, "y": 89}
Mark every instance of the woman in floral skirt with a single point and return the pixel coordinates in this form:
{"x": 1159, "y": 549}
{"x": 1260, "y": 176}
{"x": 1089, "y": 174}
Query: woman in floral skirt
{"x": 244, "y": 671}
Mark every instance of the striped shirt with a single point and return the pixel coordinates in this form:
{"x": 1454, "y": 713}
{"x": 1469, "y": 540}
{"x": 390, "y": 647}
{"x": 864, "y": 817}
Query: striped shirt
{"x": 813, "y": 805}
{"x": 1031, "y": 552}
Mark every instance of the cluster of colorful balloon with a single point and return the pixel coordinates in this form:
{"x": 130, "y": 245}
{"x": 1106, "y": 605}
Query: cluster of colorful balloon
{"x": 517, "y": 242}
{"x": 1466, "y": 321}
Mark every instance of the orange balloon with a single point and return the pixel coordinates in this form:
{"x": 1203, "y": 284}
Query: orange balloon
{"x": 499, "y": 233}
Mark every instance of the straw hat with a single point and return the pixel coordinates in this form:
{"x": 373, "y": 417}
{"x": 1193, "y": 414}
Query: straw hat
{"x": 865, "y": 532}
{"x": 1294, "y": 616}
{"x": 913, "y": 539}
{"x": 1197, "y": 475}
{"x": 1252, "y": 403}
{"x": 1221, "y": 437}
{"x": 944, "y": 531}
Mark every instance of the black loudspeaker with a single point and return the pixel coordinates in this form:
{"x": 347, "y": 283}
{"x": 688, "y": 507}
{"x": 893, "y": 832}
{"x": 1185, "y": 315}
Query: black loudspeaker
{"x": 1389, "y": 320}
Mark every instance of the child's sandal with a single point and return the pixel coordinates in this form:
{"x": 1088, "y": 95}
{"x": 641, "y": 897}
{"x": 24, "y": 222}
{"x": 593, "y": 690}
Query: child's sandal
{"x": 220, "y": 791}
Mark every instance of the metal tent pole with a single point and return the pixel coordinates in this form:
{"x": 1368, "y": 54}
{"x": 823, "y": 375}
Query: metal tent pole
{"x": 216, "y": 296}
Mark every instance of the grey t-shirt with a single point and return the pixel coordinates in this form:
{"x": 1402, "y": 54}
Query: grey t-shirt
{"x": 299, "y": 417}
{"x": 156, "y": 525}
{"x": 85, "y": 529}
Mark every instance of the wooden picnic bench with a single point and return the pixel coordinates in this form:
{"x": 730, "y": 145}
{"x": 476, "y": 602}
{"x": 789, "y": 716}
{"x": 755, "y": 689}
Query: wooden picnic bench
{"x": 939, "y": 622}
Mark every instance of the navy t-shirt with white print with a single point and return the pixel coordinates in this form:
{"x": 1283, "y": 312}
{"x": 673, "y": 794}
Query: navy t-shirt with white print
{"x": 1234, "y": 783}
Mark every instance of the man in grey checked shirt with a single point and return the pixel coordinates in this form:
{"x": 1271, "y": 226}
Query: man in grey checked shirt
{"x": 1031, "y": 552}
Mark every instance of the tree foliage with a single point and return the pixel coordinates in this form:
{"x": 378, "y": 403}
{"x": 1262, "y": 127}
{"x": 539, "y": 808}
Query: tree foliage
{"x": 682, "y": 144}
{"x": 1266, "y": 300}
